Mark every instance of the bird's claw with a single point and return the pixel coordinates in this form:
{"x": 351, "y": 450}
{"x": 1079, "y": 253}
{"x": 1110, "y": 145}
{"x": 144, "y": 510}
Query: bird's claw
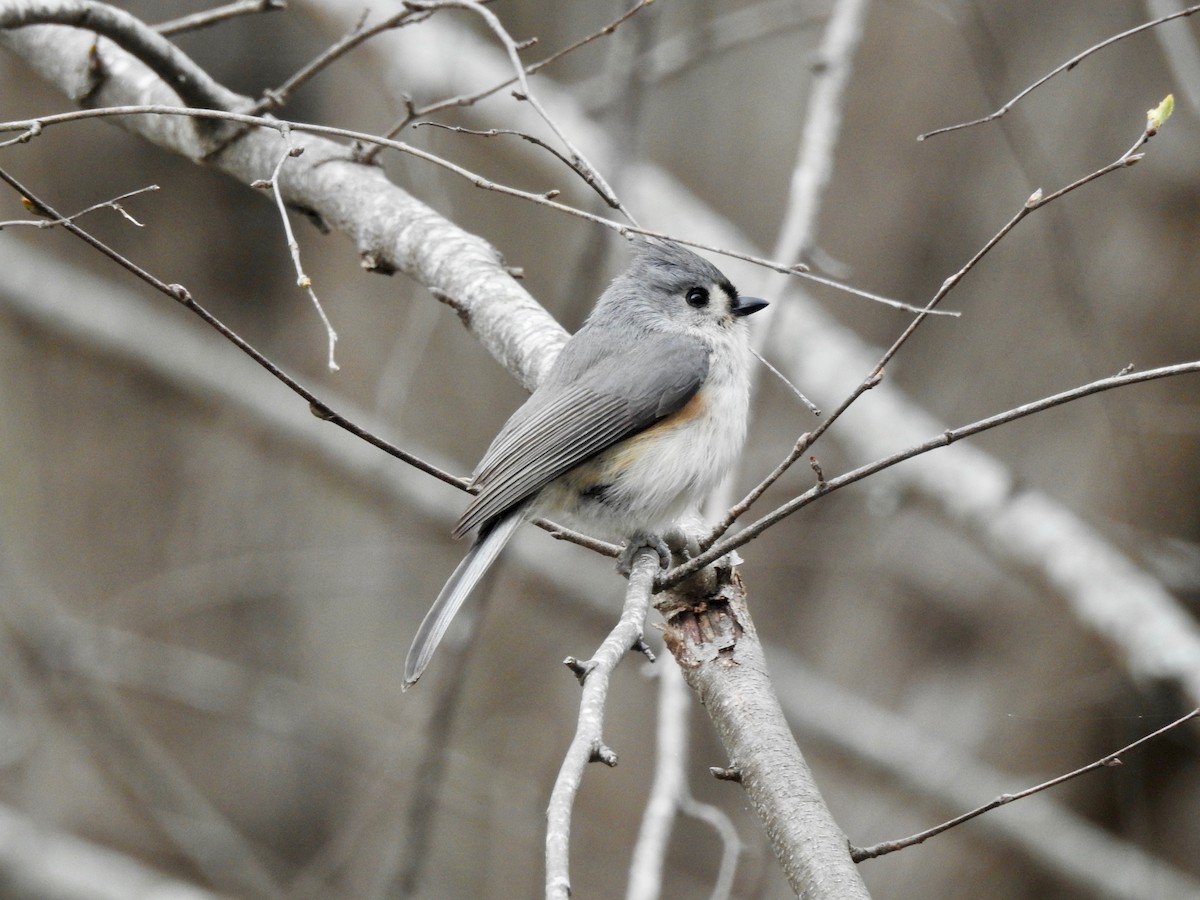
{"x": 638, "y": 543}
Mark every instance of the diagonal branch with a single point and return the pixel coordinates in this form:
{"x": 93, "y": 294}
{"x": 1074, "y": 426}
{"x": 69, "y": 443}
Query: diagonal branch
{"x": 711, "y": 635}
{"x": 945, "y": 439}
{"x": 391, "y": 229}
{"x": 1065, "y": 67}
{"x": 588, "y": 745}
{"x": 1113, "y": 759}
{"x": 589, "y": 173}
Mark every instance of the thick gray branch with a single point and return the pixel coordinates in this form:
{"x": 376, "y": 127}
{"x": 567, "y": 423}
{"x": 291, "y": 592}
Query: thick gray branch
{"x": 713, "y": 639}
{"x": 391, "y": 229}
{"x": 193, "y": 85}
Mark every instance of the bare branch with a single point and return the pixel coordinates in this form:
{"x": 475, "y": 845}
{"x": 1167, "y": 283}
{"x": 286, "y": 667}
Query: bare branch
{"x": 218, "y": 15}
{"x": 302, "y": 280}
{"x": 711, "y": 635}
{"x": 1065, "y": 67}
{"x": 274, "y": 98}
{"x": 731, "y": 844}
{"x": 1113, "y": 759}
{"x": 464, "y": 100}
{"x": 113, "y": 204}
{"x": 193, "y": 85}
{"x": 747, "y": 534}
{"x": 668, "y": 787}
{"x": 577, "y": 160}
{"x": 532, "y": 139}
{"x": 587, "y": 745}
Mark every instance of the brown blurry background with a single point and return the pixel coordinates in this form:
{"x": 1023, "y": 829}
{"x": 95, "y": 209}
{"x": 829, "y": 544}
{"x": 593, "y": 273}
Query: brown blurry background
{"x": 205, "y": 613}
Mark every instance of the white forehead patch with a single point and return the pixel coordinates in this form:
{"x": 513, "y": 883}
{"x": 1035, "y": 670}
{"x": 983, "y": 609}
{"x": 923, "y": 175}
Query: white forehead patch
{"x": 720, "y": 302}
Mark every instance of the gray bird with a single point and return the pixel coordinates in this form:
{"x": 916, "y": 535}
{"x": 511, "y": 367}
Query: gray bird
{"x": 636, "y": 422}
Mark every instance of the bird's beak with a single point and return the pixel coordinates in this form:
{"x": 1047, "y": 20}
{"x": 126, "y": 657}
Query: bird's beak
{"x": 744, "y": 306}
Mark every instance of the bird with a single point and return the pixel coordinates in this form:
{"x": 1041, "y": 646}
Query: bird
{"x": 636, "y": 421}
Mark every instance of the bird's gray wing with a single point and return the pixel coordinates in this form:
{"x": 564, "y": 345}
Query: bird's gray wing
{"x": 592, "y": 398}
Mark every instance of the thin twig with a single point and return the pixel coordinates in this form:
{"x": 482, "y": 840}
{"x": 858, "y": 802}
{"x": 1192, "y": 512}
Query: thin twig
{"x": 1065, "y": 67}
{"x": 217, "y": 15}
{"x": 533, "y": 139}
{"x": 578, "y": 162}
{"x": 464, "y": 100}
{"x": 274, "y": 98}
{"x": 945, "y": 439}
{"x": 668, "y": 787}
{"x": 808, "y": 404}
{"x": 181, "y": 295}
{"x": 606, "y": 31}
{"x": 587, "y": 745}
{"x": 33, "y": 127}
{"x": 114, "y": 204}
{"x": 1113, "y": 759}
{"x": 731, "y": 844}
{"x": 25, "y": 137}
{"x": 302, "y": 279}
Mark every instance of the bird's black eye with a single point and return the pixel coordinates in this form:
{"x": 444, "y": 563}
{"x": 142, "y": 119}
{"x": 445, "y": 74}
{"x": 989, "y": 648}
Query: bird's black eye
{"x": 697, "y": 297}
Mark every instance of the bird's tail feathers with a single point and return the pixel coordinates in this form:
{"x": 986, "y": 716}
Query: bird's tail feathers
{"x": 457, "y": 588}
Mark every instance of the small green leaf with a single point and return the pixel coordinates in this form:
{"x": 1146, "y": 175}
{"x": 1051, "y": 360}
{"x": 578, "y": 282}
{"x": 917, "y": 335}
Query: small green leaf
{"x": 1155, "y": 117}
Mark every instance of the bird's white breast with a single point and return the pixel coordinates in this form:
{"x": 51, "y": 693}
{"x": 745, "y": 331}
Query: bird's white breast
{"x": 655, "y": 477}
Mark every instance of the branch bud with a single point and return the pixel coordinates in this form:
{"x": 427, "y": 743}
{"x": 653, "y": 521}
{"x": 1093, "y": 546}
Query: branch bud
{"x": 1157, "y": 116}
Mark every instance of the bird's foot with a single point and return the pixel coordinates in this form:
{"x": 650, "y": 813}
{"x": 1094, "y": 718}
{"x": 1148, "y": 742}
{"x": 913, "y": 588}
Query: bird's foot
{"x": 636, "y": 544}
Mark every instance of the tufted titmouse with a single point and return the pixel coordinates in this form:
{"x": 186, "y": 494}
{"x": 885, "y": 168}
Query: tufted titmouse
{"x": 636, "y": 421}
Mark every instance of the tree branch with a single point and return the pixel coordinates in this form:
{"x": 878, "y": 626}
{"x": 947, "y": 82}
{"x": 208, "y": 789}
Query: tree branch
{"x": 711, "y": 636}
{"x": 194, "y": 86}
{"x": 588, "y": 744}
{"x": 1065, "y": 845}
{"x": 391, "y": 229}
{"x": 1065, "y": 67}
{"x": 945, "y": 439}
{"x": 217, "y": 15}
{"x": 1113, "y": 759}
